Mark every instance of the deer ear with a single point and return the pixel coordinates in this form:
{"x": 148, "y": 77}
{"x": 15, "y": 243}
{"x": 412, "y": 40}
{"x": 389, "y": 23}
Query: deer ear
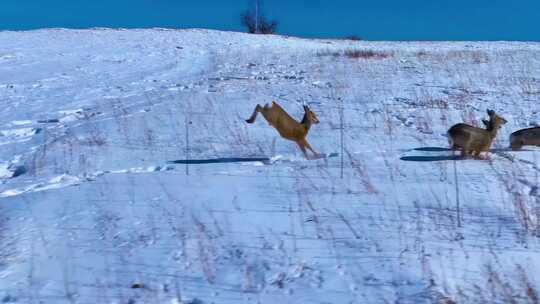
{"x": 486, "y": 123}
{"x": 306, "y": 108}
{"x": 490, "y": 112}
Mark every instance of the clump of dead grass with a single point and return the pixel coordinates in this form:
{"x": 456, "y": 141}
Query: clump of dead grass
{"x": 355, "y": 54}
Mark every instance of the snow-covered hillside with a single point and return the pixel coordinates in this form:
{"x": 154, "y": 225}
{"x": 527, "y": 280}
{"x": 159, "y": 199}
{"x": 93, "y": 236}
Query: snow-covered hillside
{"x": 92, "y": 210}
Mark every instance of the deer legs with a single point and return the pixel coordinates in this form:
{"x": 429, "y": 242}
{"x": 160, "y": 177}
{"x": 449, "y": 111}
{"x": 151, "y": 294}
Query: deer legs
{"x": 310, "y": 148}
{"x": 467, "y": 151}
{"x": 303, "y": 148}
{"x": 251, "y": 119}
{"x": 303, "y": 144}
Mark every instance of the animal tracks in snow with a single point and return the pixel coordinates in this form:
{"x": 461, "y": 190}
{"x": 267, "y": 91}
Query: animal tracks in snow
{"x": 57, "y": 182}
{"x": 9, "y": 136}
{"x": 66, "y": 180}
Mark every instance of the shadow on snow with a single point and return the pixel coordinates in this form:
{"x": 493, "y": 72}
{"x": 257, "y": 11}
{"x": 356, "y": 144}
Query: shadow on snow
{"x": 452, "y": 156}
{"x": 219, "y": 160}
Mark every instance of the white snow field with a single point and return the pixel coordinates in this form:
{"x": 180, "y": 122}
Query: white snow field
{"x": 93, "y": 211}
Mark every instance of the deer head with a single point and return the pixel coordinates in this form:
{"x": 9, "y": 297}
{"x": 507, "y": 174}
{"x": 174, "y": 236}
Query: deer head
{"x": 495, "y": 121}
{"x": 309, "y": 116}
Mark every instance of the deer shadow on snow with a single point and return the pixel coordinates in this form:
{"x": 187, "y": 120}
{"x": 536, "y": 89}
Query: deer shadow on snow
{"x": 450, "y": 156}
{"x": 220, "y": 160}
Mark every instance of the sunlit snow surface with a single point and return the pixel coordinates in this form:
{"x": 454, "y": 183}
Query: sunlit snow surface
{"x": 93, "y": 206}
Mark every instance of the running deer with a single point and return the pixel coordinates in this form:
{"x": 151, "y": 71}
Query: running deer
{"x": 525, "y": 137}
{"x": 287, "y": 126}
{"x": 472, "y": 140}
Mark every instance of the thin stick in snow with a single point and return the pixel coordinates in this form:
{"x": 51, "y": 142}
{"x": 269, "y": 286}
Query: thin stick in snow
{"x": 341, "y": 132}
{"x": 187, "y": 122}
{"x": 457, "y": 195}
{"x": 187, "y": 145}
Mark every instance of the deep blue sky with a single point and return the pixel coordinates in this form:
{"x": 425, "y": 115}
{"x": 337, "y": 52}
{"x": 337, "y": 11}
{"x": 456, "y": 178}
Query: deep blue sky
{"x": 371, "y": 20}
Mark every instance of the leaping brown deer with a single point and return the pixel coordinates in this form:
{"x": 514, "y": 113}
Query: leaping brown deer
{"x": 287, "y": 126}
{"x": 472, "y": 140}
